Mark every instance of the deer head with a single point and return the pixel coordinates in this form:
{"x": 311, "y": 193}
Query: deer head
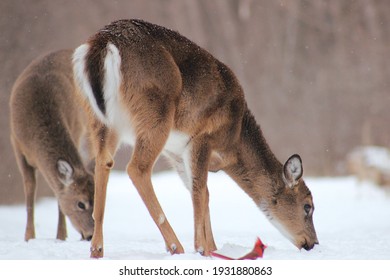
{"x": 290, "y": 206}
{"x": 75, "y": 197}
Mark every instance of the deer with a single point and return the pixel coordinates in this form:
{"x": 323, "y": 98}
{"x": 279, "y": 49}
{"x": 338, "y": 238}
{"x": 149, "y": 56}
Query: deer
{"x": 150, "y": 87}
{"x": 48, "y": 133}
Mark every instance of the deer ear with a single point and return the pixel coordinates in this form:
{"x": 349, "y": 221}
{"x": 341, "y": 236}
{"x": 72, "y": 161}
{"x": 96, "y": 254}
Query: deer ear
{"x": 65, "y": 171}
{"x": 293, "y": 170}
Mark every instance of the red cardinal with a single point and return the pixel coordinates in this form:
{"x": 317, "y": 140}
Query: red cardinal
{"x": 256, "y": 253}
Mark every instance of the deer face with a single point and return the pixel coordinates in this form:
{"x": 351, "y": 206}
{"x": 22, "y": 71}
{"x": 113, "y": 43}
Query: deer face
{"x": 76, "y": 198}
{"x": 291, "y": 206}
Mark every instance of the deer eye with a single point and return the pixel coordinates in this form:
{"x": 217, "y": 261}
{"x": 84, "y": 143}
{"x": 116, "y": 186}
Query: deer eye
{"x": 307, "y": 208}
{"x": 81, "y": 205}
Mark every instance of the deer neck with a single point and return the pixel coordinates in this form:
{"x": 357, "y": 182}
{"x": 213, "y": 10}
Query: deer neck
{"x": 255, "y": 168}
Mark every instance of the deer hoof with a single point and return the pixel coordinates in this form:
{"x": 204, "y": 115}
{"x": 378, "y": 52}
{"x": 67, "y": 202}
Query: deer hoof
{"x": 97, "y": 253}
{"x": 203, "y": 252}
{"x": 174, "y": 249}
{"x": 200, "y": 250}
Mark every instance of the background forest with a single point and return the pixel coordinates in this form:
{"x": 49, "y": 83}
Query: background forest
{"x": 316, "y": 73}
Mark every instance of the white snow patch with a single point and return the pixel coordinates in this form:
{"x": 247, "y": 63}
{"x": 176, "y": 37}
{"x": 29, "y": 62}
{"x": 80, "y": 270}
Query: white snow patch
{"x": 373, "y": 156}
{"x": 352, "y": 221}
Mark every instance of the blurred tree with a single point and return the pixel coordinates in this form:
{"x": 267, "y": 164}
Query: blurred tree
{"x": 315, "y": 72}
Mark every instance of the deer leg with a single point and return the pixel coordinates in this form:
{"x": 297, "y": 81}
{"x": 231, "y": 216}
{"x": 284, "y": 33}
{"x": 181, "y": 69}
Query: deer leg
{"x": 180, "y": 167}
{"x": 106, "y": 147}
{"x": 104, "y": 163}
{"x": 29, "y": 183}
{"x": 61, "y": 228}
{"x": 146, "y": 150}
{"x": 204, "y": 240}
{"x": 208, "y": 231}
{"x": 30, "y": 192}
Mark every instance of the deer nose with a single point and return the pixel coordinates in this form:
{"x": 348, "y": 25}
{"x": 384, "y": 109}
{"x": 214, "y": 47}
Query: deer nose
{"x": 88, "y": 237}
{"x": 308, "y": 246}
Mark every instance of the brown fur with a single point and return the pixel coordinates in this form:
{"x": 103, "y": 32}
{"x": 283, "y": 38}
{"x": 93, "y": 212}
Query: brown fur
{"x": 47, "y": 128}
{"x": 168, "y": 83}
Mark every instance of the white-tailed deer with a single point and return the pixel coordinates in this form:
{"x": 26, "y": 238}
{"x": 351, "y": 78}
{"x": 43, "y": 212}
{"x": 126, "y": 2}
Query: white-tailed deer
{"x": 150, "y": 87}
{"x": 47, "y": 128}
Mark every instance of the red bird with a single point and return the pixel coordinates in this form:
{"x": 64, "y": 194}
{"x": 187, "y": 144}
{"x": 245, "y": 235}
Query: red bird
{"x": 256, "y": 253}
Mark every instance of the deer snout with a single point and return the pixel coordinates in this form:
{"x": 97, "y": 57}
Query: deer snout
{"x": 87, "y": 234}
{"x": 87, "y": 237}
{"x": 309, "y": 245}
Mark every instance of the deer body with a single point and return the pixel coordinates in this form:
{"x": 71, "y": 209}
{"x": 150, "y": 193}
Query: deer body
{"x": 152, "y": 88}
{"x": 47, "y": 132}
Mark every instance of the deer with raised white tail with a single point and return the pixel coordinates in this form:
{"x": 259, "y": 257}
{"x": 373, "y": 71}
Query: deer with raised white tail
{"x": 150, "y": 87}
{"x": 48, "y": 133}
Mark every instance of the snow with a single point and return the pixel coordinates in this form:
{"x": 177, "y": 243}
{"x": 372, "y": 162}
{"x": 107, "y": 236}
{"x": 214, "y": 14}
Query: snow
{"x": 373, "y": 156}
{"x": 352, "y": 221}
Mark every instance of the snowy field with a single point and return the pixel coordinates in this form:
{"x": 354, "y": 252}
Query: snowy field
{"x": 352, "y": 221}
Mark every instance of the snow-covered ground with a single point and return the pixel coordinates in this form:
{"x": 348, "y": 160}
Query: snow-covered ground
{"x": 352, "y": 221}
